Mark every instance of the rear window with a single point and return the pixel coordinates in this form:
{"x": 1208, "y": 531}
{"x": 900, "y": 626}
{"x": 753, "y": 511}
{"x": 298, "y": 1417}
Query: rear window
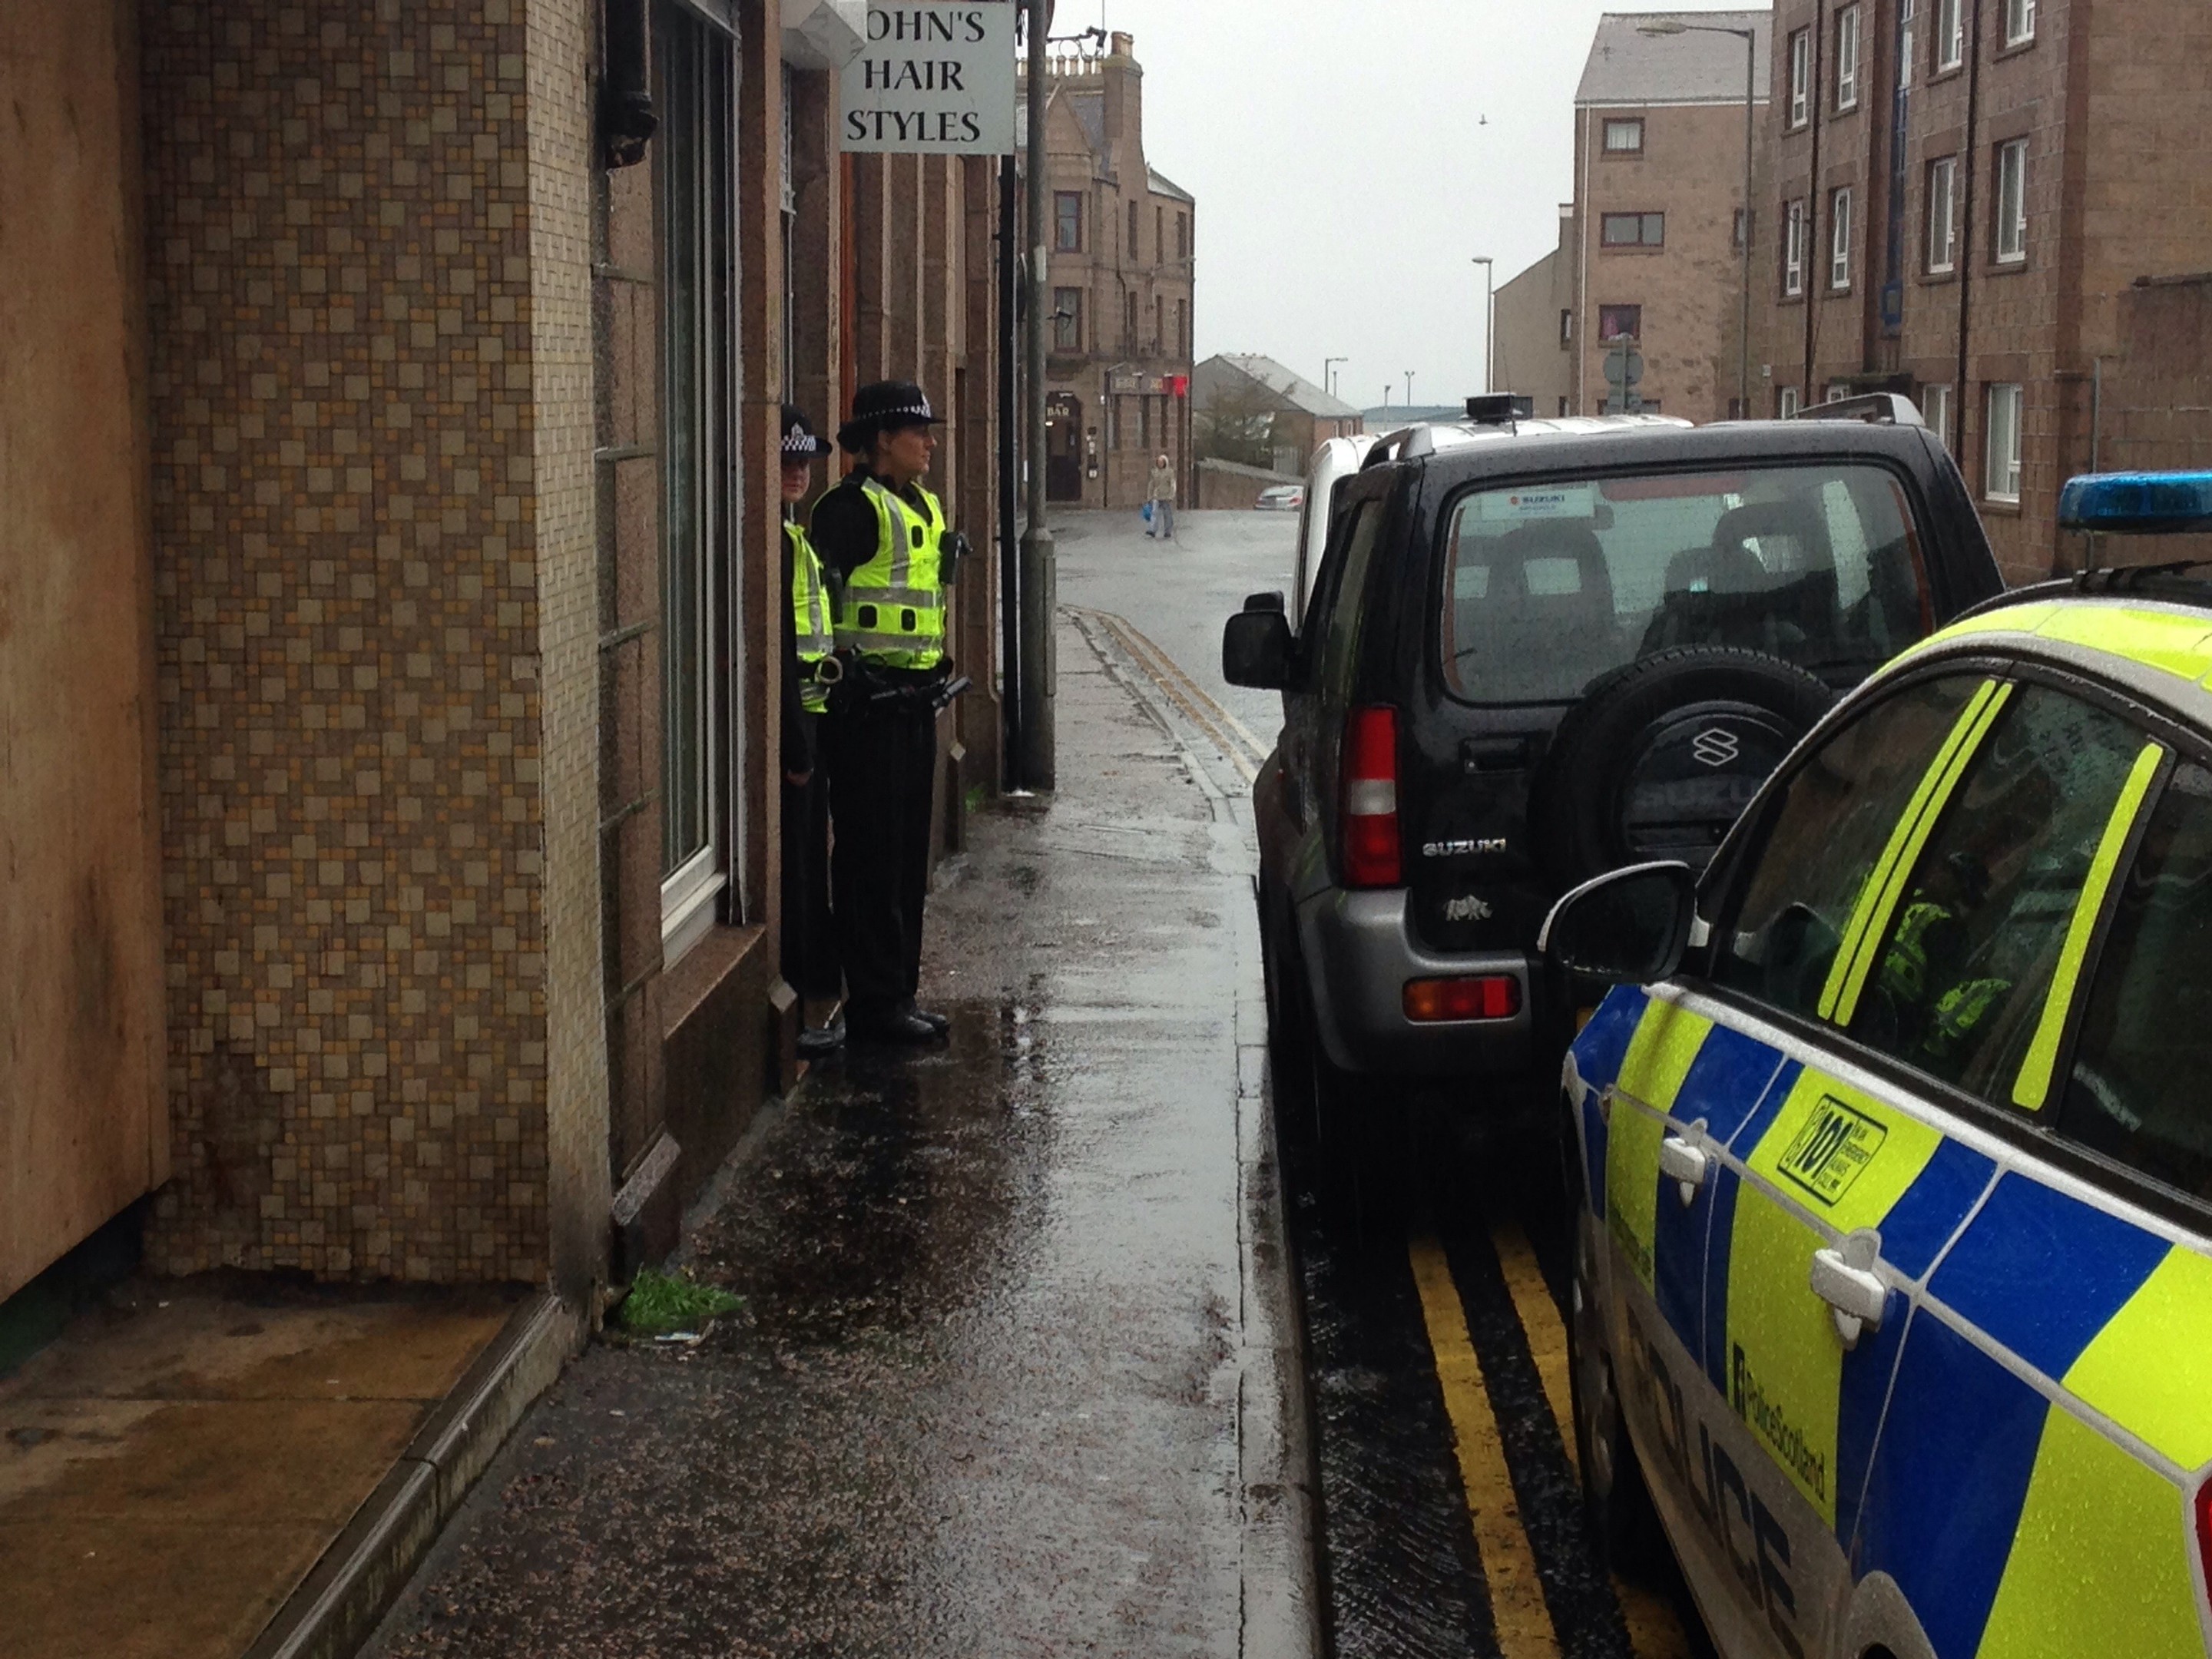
{"x": 1549, "y": 587}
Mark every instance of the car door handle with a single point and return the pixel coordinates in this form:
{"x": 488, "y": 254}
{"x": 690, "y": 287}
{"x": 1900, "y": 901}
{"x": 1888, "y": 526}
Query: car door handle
{"x": 1684, "y": 1160}
{"x": 1844, "y": 1277}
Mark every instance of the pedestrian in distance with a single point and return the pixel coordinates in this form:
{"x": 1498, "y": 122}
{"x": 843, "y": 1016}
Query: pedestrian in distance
{"x": 1161, "y": 493}
{"x": 883, "y": 535}
{"x": 810, "y": 669}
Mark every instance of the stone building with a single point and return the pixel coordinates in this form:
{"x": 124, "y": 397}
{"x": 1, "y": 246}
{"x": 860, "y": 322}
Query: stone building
{"x": 1652, "y": 246}
{"x": 390, "y": 580}
{"x": 1533, "y": 320}
{"x": 1997, "y": 206}
{"x": 1282, "y": 414}
{"x": 1122, "y": 240}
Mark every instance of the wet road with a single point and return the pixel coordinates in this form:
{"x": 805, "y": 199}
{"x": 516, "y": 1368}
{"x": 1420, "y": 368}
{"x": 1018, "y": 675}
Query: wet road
{"x": 1449, "y": 1517}
{"x": 1012, "y": 1374}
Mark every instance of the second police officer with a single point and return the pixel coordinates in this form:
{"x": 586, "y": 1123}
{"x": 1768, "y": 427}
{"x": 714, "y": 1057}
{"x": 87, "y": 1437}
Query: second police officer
{"x": 810, "y": 669}
{"x": 883, "y": 535}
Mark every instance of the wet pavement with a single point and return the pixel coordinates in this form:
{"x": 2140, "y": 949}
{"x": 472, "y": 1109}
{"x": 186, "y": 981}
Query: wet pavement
{"x": 1012, "y": 1372}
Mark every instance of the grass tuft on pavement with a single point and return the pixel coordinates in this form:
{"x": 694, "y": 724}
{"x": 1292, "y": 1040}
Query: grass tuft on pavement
{"x": 661, "y": 1302}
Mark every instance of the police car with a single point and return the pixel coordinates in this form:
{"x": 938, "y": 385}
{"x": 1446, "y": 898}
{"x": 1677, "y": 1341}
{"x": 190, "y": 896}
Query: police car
{"x": 1892, "y": 1282}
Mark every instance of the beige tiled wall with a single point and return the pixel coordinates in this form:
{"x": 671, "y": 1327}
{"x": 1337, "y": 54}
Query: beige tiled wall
{"x": 371, "y": 505}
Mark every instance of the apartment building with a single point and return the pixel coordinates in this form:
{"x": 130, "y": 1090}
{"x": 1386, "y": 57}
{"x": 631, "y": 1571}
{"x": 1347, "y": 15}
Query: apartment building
{"x": 1122, "y": 240}
{"x": 391, "y": 581}
{"x": 1998, "y": 207}
{"x": 1651, "y": 253}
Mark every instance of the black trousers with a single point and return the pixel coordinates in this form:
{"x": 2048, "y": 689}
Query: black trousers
{"x": 883, "y": 778}
{"x": 809, "y": 943}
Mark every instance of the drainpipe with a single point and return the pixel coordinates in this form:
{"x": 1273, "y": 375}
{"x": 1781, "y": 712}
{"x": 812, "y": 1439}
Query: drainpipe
{"x": 1816, "y": 252}
{"x": 1967, "y": 244}
{"x": 627, "y": 118}
{"x": 1582, "y": 342}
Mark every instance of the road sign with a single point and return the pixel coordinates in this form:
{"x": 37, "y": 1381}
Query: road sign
{"x": 1625, "y": 367}
{"x": 935, "y": 78}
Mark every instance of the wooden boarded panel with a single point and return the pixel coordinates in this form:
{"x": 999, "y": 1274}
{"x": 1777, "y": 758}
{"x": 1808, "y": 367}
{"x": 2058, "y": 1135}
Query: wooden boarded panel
{"x": 82, "y": 1113}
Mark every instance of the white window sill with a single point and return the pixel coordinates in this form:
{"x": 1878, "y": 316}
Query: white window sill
{"x": 688, "y": 907}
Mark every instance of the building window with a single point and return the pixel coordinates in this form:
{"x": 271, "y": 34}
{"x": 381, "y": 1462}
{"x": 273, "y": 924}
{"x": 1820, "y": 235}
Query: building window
{"x": 1935, "y": 409}
{"x": 1943, "y": 215}
{"x": 1129, "y": 322}
{"x": 1741, "y": 230}
{"x": 1793, "y": 250}
{"x": 1908, "y": 35}
{"x": 1800, "y": 77}
{"x": 696, "y": 165}
{"x": 2012, "y": 202}
{"x": 2020, "y": 23}
{"x": 1950, "y": 33}
{"x": 1159, "y": 235}
{"x": 2005, "y": 405}
{"x": 1788, "y": 404}
{"x": 1132, "y": 230}
{"x": 1634, "y": 230}
{"x": 1847, "y": 58}
{"x": 1067, "y": 319}
{"x": 1067, "y": 219}
{"x": 1623, "y": 137}
{"x": 1566, "y": 329}
{"x": 1839, "y": 240}
{"x": 1183, "y": 236}
{"x": 1159, "y": 341}
{"x": 1182, "y": 327}
{"x": 1617, "y": 323}
{"x": 1838, "y": 390}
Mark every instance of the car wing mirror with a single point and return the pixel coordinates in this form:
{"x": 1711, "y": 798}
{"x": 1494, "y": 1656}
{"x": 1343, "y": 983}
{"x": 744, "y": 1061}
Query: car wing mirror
{"x": 1258, "y": 649}
{"x": 1269, "y": 601}
{"x": 1630, "y": 927}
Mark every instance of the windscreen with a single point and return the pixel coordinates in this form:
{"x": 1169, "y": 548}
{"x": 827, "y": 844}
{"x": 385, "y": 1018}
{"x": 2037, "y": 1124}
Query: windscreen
{"x": 1547, "y": 587}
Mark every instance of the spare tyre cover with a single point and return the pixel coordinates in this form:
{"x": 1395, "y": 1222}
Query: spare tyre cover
{"x": 1659, "y": 758}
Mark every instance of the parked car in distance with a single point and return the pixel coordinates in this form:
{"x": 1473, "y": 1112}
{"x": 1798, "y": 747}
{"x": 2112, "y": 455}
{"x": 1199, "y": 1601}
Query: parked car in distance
{"x": 1891, "y": 1155}
{"x": 1537, "y": 651}
{"x": 1282, "y": 498}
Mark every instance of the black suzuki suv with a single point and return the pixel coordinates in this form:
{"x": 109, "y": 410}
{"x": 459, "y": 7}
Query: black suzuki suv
{"x": 1538, "y": 651}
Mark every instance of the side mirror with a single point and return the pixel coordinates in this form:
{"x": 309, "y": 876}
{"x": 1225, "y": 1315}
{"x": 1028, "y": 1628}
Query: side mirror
{"x": 1272, "y": 601}
{"x": 1257, "y": 648}
{"x": 1630, "y": 927}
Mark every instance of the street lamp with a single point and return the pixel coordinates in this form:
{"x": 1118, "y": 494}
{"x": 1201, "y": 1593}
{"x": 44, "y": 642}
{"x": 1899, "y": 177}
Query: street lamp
{"x": 1750, "y": 38}
{"x": 1409, "y": 388}
{"x": 1489, "y": 324}
{"x": 1329, "y": 373}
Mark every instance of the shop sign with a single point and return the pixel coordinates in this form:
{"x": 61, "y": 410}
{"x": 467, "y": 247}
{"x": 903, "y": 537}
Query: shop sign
{"x": 934, "y": 78}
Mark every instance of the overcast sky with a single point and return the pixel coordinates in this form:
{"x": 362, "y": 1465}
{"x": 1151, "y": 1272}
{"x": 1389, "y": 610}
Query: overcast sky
{"x": 1344, "y": 177}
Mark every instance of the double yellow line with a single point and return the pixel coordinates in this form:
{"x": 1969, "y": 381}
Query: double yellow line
{"x": 1508, "y": 1562}
{"x": 1223, "y": 729}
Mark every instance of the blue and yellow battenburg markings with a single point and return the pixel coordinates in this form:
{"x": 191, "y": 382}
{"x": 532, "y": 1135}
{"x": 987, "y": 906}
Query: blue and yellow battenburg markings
{"x": 1940, "y": 1449}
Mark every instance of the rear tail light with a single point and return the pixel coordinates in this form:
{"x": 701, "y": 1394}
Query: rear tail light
{"x": 1371, "y": 854}
{"x": 1492, "y": 996}
{"x": 2200, "y": 1507}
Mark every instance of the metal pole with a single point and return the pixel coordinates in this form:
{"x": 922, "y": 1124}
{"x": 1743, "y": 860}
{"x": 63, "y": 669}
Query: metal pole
{"x": 1750, "y": 140}
{"x": 1039, "y": 584}
{"x": 1489, "y": 327}
{"x": 1010, "y": 573}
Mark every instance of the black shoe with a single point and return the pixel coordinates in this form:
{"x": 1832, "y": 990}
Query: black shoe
{"x": 937, "y": 1022}
{"x": 821, "y": 1041}
{"x": 910, "y": 1031}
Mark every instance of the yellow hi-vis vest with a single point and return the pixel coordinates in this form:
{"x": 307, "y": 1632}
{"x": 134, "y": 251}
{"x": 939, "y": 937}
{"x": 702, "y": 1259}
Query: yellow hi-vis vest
{"x": 893, "y": 613}
{"x": 810, "y": 608}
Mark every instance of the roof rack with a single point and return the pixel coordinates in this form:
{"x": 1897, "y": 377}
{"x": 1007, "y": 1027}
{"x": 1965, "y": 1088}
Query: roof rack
{"x": 2105, "y": 583}
{"x": 1875, "y": 409}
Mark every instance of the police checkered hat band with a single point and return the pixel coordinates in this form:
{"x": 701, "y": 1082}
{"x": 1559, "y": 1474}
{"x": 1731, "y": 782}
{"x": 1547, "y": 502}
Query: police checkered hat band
{"x": 799, "y": 442}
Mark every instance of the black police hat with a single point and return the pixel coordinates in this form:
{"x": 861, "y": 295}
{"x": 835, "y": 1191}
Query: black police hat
{"x": 885, "y": 406}
{"x": 800, "y": 443}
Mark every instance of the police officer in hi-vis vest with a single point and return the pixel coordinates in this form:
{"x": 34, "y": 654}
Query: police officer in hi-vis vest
{"x": 883, "y": 537}
{"x": 810, "y": 669}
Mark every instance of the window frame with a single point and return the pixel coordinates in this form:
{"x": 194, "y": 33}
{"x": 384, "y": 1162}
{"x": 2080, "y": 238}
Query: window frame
{"x": 1945, "y": 167}
{"x": 2019, "y": 23}
{"x": 1849, "y": 37}
{"x": 1614, "y": 124}
{"x": 1800, "y": 79}
{"x": 2014, "y": 463}
{"x": 1793, "y": 249}
{"x": 1136, "y": 229}
{"x": 702, "y": 729}
{"x": 1939, "y": 423}
{"x": 1064, "y": 327}
{"x": 1632, "y": 338}
{"x": 1948, "y": 37}
{"x": 1067, "y": 227}
{"x": 1789, "y": 402}
{"x": 2009, "y": 230}
{"x": 1841, "y": 204}
{"x": 1643, "y": 224}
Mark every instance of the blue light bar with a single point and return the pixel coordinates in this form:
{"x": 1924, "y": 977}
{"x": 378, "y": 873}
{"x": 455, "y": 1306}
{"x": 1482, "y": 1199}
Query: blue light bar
{"x": 2138, "y": 503}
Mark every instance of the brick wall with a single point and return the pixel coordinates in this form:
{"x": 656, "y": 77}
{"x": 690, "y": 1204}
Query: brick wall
{"x": 353, "y": 710}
